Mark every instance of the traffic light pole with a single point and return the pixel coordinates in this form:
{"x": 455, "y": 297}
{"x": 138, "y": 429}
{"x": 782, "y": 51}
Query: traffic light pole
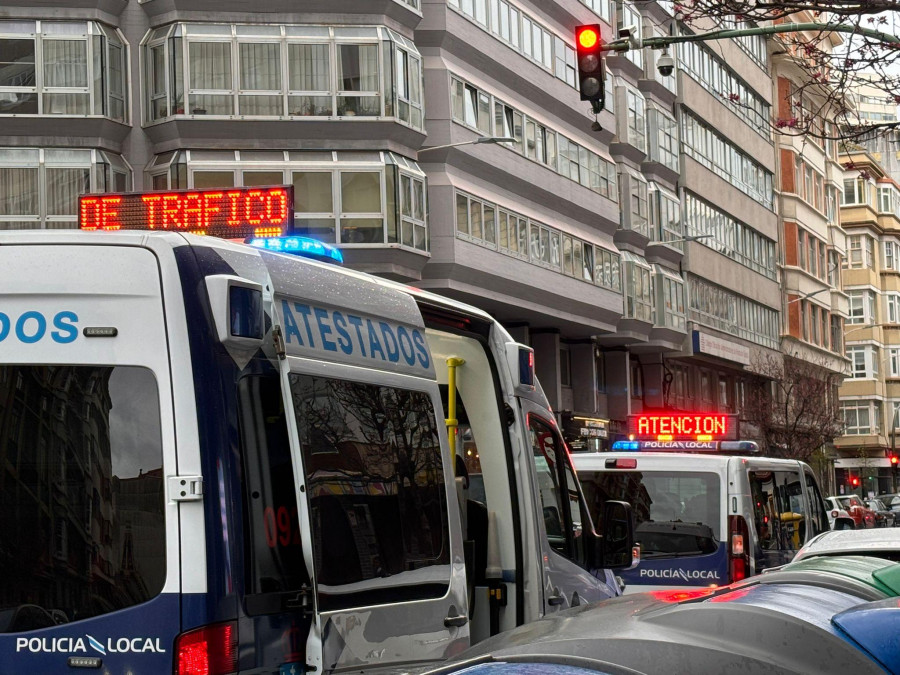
{"x": 660, "y": 42}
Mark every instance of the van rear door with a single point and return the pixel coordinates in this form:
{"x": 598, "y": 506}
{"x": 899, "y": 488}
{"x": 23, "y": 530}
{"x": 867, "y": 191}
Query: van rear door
{"x": 89, "y": 550}
{"x": 372, "y": 472}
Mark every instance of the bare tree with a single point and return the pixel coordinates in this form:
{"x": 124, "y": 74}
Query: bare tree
{"x": 793, "y": 406}
{"x": 804, "y": 31}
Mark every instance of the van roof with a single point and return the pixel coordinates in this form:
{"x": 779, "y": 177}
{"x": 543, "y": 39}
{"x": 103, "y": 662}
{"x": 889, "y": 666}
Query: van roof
{"x": 176, "y": 239}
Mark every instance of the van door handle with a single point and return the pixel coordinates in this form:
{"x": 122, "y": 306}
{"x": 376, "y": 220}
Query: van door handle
{"x": 457, "y": 621}
{"x": 557, "y": 599}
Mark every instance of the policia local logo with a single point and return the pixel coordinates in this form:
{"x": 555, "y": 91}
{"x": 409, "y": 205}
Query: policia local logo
{"x": 79, "y": 645}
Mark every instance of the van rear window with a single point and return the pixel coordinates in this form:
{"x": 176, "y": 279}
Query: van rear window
{"x": 677, "y": 513}
{"x": 82, "y": 530}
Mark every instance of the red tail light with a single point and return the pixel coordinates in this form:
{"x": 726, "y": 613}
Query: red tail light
{"x": 738, "y": 555}
{"x": 210, "y": 650}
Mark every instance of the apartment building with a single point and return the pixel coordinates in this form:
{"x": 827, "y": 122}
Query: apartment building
{"x": 636, "y": 250}
{"x": 870, "y": 395}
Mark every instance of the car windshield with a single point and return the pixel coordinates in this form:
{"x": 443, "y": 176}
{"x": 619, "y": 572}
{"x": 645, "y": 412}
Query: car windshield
{"x": 677, "y": 513}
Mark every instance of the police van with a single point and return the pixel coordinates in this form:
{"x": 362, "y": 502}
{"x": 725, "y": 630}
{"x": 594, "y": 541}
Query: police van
{"x": 219, "y": 458}
{"x": 708, "y": 517}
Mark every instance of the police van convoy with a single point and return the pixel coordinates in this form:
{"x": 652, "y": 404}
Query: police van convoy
{"x": 706, "y": 519}
{"x": 221, "y": 459}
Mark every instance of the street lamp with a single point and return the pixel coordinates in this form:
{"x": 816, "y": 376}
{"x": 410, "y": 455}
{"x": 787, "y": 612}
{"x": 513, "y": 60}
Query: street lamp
{"x": 475, "y": 141}
{"x": 808, "y": 295}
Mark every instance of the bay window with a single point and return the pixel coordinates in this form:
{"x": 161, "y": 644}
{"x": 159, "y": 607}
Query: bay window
{"x": 861, "y": 418}
{"x": 863, "y": 361}
{"x": 862, "y": 307}
{"x": 353, "y": 198}
{"x": 75, "y": 68}
{"x": 670, "y": 310}
{"x": 282, "y": 71}
{"x": 39, "y": 187}
{"x": 638, "y": 287}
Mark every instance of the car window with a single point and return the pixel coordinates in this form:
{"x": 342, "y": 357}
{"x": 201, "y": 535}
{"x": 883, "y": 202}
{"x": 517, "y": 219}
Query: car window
{"x": 556, "y": 501}
{"x": 780, "y": 515}
{"x": 677, "y": 513}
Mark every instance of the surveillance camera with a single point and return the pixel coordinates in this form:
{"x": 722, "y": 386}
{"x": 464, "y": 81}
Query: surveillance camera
{"x": 665, "y": 64}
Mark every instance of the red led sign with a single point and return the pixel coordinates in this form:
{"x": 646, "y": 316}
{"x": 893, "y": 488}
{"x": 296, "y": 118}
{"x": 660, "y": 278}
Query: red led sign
{"x": 231, "y": 213}
{"x": 683, "y": 426}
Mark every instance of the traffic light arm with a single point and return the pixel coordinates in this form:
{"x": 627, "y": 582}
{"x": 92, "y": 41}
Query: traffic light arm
{"x": 623, "y": 44}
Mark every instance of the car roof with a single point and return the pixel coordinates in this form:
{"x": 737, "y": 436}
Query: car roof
{"x": 844, "y": 542}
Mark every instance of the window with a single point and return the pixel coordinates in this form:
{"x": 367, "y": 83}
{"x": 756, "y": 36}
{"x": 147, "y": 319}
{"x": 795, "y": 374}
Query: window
{"x": 665, "y": 216}
{"x": 290, "y": 70}
{"x": 77, "y": 494}
{"x": 730, "y": 237}
{"x": 858, "y": 417}
{"x": 726, "y": 160}
{"x": 348, "y": 198}
{"x": 62, "y": 68}
{"x": 893, "y": 354}
{"x": 860, "y": 251}
{"x": 39, "y": 188}
{"x": 471, "y": 106}
{"x": 704, "y": 66}
{"x": 891, "y": 255}
{"x": 636, "y": 118}
{"x": 537, "y": 43}
{"x": 627, "y": 15}
{"x": 863, "y": 361}
{"x": 494, "y": 226}
{"x": 375, "y": 523}
{"x": 856, "y": 191}
{"x": 558, "y": 489}
{"x": 893, "y": 307}
{"x": 774, "y": 493}
{"x": 670, "y": 310}
{"x": 677, "y": 513}
{"x": 862, "y": 307}
{"x": 638, "y": 287}
{"x": 663, "y": 133}
{"x": 635, "y": 193}
{"x": 726, "y": 311}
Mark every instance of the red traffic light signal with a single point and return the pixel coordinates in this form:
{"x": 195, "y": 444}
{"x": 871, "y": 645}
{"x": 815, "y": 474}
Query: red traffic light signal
{"x": 588, "y": 37}
{"x": 591, "y": 66}
{"x": 894, "y": 460}
{"x": 854, "y": 481}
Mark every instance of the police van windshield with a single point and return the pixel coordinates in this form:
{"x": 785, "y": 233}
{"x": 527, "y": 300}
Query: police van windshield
{"x": 81, "y": 493}
{"x": 677, "y": 513}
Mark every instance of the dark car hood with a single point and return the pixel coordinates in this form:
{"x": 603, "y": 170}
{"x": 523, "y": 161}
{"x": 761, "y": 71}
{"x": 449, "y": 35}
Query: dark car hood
{"x": 650, "y": 635}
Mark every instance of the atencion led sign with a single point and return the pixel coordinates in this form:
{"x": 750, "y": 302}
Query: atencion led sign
{"x": 683, "y": 426}
{"x": 230, "y": 213}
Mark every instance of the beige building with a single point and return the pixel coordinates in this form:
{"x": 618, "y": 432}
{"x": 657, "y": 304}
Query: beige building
{"x": 870, "y": 396}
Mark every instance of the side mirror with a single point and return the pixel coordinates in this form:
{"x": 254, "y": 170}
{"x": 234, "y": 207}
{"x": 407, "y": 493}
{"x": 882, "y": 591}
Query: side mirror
{"x": 617, "y": 543}
{"x": 843, "y": 523}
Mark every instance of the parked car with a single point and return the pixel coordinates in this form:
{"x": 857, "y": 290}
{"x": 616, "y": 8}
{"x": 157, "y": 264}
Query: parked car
{"x": 892, "y": 501}
{"x": 884, "y": 544}
{"x": 862, "y": 516}
{"x": 822, "y": 615}
{"x": 838, "y": 518}
{"x": 884, "y": 517}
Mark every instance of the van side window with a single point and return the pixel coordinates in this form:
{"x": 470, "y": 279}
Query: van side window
{"x": 560, "y": 504}
{"x": 780, "y": 515}
{"x": 375, "y": 486}
{"x": 82, "y": 521}
{"x": 818, "y": 517}
{"x": 275, "y": 555}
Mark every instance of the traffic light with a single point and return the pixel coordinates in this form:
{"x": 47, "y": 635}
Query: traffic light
{"x": 894, "y": 461}
{"x": 591, "y": 66}
{"x": 854, "y": 481}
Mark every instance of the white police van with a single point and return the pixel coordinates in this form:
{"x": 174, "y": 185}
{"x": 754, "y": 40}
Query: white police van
{"x": 705, "y": 518}
{"x": 221, "y": 459}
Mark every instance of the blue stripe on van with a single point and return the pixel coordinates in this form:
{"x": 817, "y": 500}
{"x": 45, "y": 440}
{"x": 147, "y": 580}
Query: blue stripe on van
{"x": 699, "y": 570}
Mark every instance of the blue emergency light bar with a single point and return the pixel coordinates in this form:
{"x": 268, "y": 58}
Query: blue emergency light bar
{"x": 305, "y": 246}
{"x": 731, "y": 447}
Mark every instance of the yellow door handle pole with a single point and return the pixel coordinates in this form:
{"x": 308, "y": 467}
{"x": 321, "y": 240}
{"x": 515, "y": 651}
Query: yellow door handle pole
{"x": 453, "y": 363}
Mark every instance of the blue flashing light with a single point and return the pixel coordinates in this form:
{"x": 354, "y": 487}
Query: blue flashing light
{"x": 305, "y": 246}
{"x": 626, "y": 445}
